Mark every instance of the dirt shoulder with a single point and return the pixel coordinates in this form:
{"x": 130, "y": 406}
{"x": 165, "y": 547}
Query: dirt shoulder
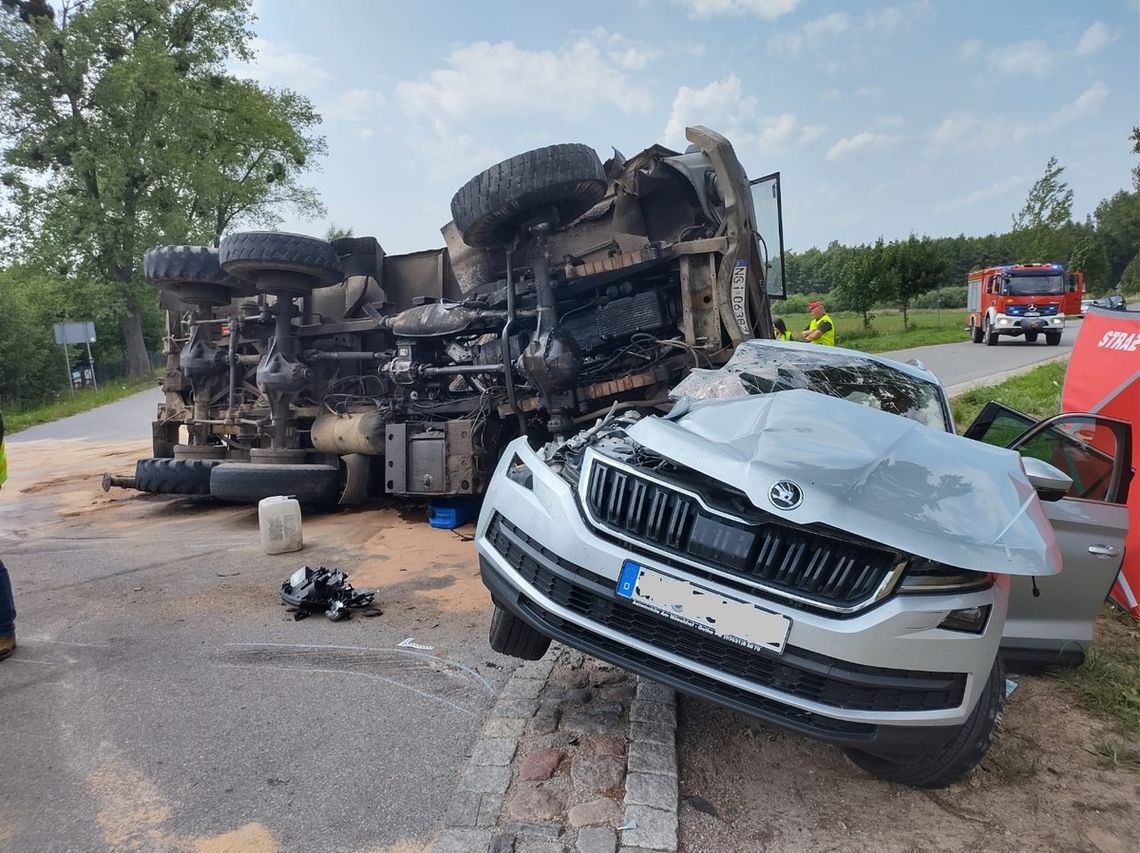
{"x": 1042, "y": 787}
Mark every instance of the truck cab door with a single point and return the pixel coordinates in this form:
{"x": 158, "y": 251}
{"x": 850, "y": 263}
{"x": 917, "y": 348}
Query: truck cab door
{"x": 1054, "y": 626}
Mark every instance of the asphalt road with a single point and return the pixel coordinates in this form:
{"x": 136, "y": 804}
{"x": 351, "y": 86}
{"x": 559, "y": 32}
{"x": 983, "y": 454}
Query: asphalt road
{"x": 121, "y": 421}
{"x": 162, "y": 698}
{"x": 958, "y": 365}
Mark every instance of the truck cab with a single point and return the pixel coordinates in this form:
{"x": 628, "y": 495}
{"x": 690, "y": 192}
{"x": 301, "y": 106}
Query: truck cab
{"x": 1021, "y": 300}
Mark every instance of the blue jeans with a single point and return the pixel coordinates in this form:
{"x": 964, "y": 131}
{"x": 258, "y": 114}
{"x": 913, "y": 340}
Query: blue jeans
{"x": 7, "y": 605}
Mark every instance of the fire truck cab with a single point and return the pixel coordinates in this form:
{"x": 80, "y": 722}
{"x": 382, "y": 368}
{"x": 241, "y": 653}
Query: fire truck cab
{"x": 1022, "y": 300}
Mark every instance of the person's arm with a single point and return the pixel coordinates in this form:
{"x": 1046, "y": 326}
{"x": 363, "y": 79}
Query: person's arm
{"x": 817, "y": 331}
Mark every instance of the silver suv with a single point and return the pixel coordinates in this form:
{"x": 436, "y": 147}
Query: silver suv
{"x": 804, "y": 539}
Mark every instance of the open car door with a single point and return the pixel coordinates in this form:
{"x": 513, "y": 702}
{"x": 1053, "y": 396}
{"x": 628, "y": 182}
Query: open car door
{"x": 1052, "y": 623}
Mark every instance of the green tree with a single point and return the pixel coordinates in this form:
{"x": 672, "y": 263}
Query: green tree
{"x": 335, "y": 232}
{"x": 1039, "y": 232}
{"x": 865, "y": 275}
{"x": 121, "y": 129}
{"x": 918, "y": 267}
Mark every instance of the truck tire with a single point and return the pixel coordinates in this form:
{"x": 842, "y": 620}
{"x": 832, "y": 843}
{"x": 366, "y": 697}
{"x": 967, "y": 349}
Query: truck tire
{"x": 164, "y": 266}
{"x": 567, "y": 178}
{"x": 248, "y": 255}
{"x": 1052, "y": 338}
{"x": 990, "y": 335}
{"x": 174, "y": 476}
{"x": 514, "y": 637}
{"x": 1031, "y": 337}
{"x": 959, "y": 756}
{"x": 245, "y": 482}
{"x": 975, "y": 332}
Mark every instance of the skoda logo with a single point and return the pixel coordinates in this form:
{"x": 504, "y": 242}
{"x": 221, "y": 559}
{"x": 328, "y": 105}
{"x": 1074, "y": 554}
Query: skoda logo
{"x": 785, "y": 495}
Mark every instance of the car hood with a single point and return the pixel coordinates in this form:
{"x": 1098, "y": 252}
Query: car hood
{"x": 876, "y": 475}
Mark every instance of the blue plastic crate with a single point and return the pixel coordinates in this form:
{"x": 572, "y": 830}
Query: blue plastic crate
{"x": 450, "y": 513}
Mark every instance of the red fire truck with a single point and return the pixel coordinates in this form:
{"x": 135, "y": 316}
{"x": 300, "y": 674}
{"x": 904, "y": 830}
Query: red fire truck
{"x": 1022, "y": 300}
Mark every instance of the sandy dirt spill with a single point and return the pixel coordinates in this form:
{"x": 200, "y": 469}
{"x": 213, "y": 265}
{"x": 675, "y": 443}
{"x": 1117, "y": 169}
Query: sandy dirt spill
{"x": 57, "y": 484}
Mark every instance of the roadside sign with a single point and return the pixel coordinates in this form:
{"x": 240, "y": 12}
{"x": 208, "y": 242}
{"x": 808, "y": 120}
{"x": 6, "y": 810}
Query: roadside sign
{"x": 74, "y": 333}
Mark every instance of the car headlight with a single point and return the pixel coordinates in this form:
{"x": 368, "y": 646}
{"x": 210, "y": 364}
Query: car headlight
{"x": 970, "y": 620}
{"x": 1003, "y": 321}
{"x": 1058, "y": 320}
{"x": 924, "y": 575}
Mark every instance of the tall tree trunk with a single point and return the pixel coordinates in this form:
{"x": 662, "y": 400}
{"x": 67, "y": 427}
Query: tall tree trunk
{"x": 138, "y": 360}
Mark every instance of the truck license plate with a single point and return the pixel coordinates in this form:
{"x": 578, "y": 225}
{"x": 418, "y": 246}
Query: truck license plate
{"x": 735, "y": 621}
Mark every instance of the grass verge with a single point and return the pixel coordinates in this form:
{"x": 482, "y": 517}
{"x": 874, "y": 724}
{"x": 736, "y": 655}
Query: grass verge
{"x": 85, "y": 399}
{"x": 1036, "y": 393}
{"x": 1108, "y": 685}
{"x": 924, "y": 328}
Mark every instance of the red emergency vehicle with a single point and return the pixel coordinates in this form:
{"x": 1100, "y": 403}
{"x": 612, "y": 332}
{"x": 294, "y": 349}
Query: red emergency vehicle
{"x": 1022, "y": 300}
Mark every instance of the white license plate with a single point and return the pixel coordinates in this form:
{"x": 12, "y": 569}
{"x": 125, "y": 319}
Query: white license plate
{"x": 735, "y": 621}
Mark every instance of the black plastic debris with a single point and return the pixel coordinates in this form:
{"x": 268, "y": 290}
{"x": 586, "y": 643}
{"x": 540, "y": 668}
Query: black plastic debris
{"x": 316, "y": 590}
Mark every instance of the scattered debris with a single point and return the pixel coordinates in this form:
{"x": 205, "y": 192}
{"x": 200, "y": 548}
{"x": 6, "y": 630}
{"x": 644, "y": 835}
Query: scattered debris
{"x": 1010, "y": 686}
{"x": 410, "y": 643}
{"x": 312, "y": 590}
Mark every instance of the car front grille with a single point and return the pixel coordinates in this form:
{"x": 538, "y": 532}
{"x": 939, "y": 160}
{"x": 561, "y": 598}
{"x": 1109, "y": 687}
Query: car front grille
{"x": 831, "y": 572}
{"x": 800, "y": 673}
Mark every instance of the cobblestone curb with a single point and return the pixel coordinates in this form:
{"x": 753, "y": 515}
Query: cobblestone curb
{"x": 574, "y": 755}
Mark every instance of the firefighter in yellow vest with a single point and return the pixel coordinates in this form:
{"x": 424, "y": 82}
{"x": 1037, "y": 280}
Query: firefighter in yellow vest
{"x": 821, "y": 329}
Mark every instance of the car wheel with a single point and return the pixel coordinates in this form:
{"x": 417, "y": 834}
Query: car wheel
{"x": 245, "y": 482}
{"x": 512, "y": 636}
{"x": 975, "y": 332}
{"x": 279, "y": 261}
{"x": 961, "y": 755}
{"x": 1031, "y": 337}
{"x": 174, "y": 476}
{"x": 990, "y": 335}
{"x": 1052, "y": 338}
{"x": 565, "y": 179}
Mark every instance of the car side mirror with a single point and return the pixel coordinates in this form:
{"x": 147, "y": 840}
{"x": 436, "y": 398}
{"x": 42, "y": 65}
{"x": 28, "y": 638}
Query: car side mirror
{"x": 1050, "y": 482}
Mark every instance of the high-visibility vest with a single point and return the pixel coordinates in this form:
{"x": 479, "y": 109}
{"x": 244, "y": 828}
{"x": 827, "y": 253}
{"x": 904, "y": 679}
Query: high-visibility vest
{"x": 783, "y": 336}
{"x": 826, "y": 338}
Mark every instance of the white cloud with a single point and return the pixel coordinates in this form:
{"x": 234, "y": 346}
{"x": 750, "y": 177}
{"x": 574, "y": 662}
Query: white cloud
{"x": 366, "y": 133}
{"x": 865, "y": 141}
{"x": 355, "y": 104}
{"x": 997, "y": 190}
{"x": 625, "y": 52}
{"x": 812, "y": 34}
{"x": 720, "y": 104}
{"x": 1031, "y": 57}
{"x": 1087, "y": 103}
{"x": 868, "y": 92}
{"x": 1095, "y": 39}
{"x": 769, "y": 10}
{"x": 723, "y": 105}
{"x": 964, "y": 131}
{"x": 831, "y": 95}
{"x": 888, "y": 19}
{"x": 278, "y": 64}
{"x": 969, "y": 49}
{"x": 811, "y": 132}
{"x": 484, "y": 78}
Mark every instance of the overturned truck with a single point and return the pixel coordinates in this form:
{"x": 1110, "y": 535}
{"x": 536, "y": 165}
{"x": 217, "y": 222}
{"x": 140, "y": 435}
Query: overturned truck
{"x": 566, "y": 288}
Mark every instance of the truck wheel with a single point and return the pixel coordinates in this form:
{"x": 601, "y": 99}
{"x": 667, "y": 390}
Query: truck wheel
{"x": 488, "y": 209}
{"x": 170, "y": 266}
{"x": 975, "y": 332}
{"x": 1052, "y": 338}
{"x": 245, "y": 482}
{"x": 174, "y": 476}
{"x": 512, "y": 636}
{"x": 990, "y": 335}
{"x": 1031, "y": 337}
{"x": 256, "y": 255}
{"x": 958, "y": 757}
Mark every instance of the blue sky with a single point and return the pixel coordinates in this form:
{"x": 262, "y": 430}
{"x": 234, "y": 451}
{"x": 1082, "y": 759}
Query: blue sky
{"x": 883, "y": 117}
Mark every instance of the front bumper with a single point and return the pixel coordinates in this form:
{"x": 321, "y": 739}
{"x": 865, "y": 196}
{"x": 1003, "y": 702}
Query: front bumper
{"x": 885, "y": 680}
{"x": 1016, "y": 325}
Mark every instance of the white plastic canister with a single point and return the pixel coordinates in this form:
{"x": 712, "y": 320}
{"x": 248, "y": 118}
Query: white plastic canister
{"x": 280, "y": 521}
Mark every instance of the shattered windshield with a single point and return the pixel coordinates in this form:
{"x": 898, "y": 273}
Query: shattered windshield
{"x": 760, "y": 367}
